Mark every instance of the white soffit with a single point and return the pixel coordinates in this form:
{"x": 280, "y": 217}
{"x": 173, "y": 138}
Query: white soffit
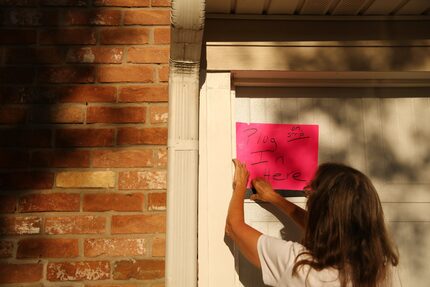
{"x": 321, "y": 7}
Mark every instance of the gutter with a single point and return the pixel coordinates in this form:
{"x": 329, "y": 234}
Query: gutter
{"x": 183, "y": 140}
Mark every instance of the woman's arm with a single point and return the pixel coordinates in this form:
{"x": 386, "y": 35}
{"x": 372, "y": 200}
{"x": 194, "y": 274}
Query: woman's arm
{"x": 241, "y": 233}
{"x": 266, "y": 193}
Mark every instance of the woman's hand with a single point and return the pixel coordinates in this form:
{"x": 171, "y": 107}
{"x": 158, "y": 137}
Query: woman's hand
{"x": 264, "y": 190}
{"x": 241, "y": 174}
{"x": 266, "y": 193}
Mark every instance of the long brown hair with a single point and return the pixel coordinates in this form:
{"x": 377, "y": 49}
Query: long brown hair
{"x": 345, "y": 228}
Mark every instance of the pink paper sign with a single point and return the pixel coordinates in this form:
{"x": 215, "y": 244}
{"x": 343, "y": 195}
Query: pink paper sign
{"x": 284, "y": 154}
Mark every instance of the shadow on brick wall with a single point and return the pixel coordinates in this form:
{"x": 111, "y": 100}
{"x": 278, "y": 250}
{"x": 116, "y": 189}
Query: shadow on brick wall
{"x": 48, "y": 64}
{"x": 60, "y": 65}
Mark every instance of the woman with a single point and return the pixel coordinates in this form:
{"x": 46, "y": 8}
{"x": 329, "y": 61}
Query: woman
{"x": 345, "y": 241}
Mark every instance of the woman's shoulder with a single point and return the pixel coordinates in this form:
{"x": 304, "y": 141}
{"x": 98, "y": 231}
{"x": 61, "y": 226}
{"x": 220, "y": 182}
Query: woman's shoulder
{"x": 278, "y": 257}
{"x": 278, "y": 243}
{"x": 283, "y": 252}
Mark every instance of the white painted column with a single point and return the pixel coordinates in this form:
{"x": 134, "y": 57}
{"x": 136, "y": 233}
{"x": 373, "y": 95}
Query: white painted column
{"x": 216, "y": 261}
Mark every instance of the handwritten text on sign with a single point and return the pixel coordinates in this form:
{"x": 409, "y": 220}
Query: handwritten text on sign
{"x": 284, "y": 154}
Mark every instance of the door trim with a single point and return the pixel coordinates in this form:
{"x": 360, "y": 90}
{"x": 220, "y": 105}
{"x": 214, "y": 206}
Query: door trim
{"x": 215, "y": 178}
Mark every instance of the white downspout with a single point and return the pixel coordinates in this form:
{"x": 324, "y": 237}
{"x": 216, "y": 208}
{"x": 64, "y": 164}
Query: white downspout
{"x": 182, "y": 178}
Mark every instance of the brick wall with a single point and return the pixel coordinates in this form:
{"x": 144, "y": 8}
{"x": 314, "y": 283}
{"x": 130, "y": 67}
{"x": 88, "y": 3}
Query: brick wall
{"x": 83, "y": 132}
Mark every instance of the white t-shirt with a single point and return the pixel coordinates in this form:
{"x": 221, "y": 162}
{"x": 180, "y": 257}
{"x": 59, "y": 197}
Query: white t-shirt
{"x": 277, "y": 258}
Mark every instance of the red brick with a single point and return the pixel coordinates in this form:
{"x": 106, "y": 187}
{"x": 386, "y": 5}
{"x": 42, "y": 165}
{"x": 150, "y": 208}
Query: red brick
{"x": 163, "y": 73}
{"x": 122, "y": 158}
{"x": 159, "y": 247}
{"x": 96, "y": 247}
{"x": 147, "y": 17}
{"x": 138, "y": 269}
{"x": 22, "y": 95}
{"x": 49, "y": 202}
{"x": 116, "y": 115}
{"x": 17, "y": 75}
{"x": 20, "y": 225}
{"x": 113, "y": 201}
{"x": 92, "y": 17}
{"x": 158, "y": 114}
{"x": 83, "y": 94}
{"x": 25, "y": 137}
{"x": 50, "y": 94}
{"x": 124, "y": 36}
{"x": 47, "y": 248}
{"x": 17, "y": 94}
{"x": 77, "y": 271}
{"x": 6, "y": 249}
{"x": 68, "y": 36}
{"x": 147, "y": 179}
{"x": 75, "y": 74}
{"x": 140, "y": 136}
{"x": 95, "y": 55}
{"x": 26, "y": 95}
{"x": 15, "y": 36}
{"x": 11, "y": 159}
{"x": 65, "y": 2}
{"x": 128, "y": 73}
{"x": 41, "y": 158}
{"x": 60, "y": 158}
{"x": 157, "y": 201}
{"x": 75, "y": 225}
{"x": 73, "y": 158}
{"x": 12, "y": 115}
{"x": 157, "y": 55}
{"x": 26, "y": 180}
{"x": 161, "y": 157}
{"x": 18, "y": 3}
{"x": 30, "y": 17}
{"x": 127, "y": 224}
{"x": 162, "y": 35}
{"x": 29, "y": 94}
{"x": 122, "y": 3}
{"x": 84, "y": 137}
{"x": 7, "y": 203}
{"x": 57, "y": 114}
{"x": 160, "y": 3}
{"x": 144, "y": 94}
{"x": 32, "y": 55}
{"x": 20, "y": 273}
